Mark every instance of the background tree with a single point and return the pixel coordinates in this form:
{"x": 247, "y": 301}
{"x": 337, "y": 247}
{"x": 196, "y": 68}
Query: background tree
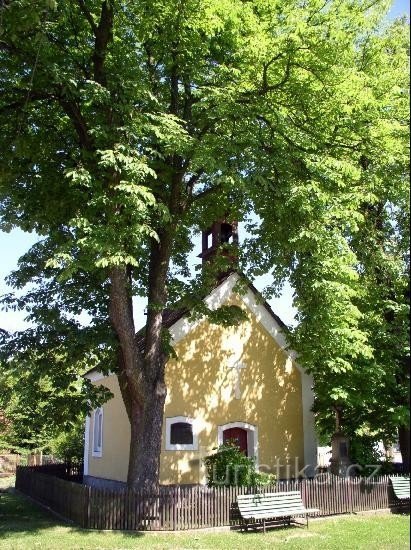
{"x": 127, "y": 125}
{"x": 41, "y": 393}
{"x": 346, "y": 247}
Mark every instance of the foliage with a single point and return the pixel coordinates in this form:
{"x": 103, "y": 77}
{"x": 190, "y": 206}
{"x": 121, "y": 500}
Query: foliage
{"x": 230, "y": 466}
{"x": 69, "y": 445}
{"x": 345, "y": 207}
{"x": 365, "y": 453}
{"x": 37, "y": 404}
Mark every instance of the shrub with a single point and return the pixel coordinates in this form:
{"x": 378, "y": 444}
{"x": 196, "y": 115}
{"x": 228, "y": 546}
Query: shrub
{"x": 365, "y": 452}
{"x": 229, "y": 466}
{"x": 69, "y": 445}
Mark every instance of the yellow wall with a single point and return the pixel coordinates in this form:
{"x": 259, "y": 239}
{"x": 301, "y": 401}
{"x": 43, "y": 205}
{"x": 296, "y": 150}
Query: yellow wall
{"x": 202, "y": 386}
{"x": 116, "y": 437}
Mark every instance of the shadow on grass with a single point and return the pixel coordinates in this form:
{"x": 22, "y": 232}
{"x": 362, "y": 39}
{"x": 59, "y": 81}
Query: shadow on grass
{"x": 19, "y": 515}
{"x": 271, "y": 525}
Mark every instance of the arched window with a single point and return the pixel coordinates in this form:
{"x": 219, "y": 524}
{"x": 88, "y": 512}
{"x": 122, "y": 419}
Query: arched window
{"x": 98, "y": 433}
{"x": 181, "y": 434}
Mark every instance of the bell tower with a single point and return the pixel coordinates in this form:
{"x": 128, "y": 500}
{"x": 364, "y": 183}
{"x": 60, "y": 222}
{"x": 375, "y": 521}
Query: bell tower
{"x": 220, "y": 233}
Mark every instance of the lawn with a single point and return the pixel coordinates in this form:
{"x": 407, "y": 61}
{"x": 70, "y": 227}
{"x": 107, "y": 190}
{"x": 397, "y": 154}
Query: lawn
{"x": 24, "y": 526}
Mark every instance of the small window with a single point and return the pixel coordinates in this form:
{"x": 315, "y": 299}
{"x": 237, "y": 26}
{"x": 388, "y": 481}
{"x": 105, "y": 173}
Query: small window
{"x": 180, "y": 434}
{"x": 209, "y": 240}
{"x": 98, "y": 432}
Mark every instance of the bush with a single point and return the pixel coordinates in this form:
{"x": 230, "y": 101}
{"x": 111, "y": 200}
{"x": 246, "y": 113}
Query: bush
{"x": 69, "y": 445}
{"x": 262, "y": 478}
{"x": 229, "y": 466}
{"x": 365, "y": 452}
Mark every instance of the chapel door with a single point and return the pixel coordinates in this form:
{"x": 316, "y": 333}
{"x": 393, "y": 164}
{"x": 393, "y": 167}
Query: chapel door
{"x": 239, "y": 436}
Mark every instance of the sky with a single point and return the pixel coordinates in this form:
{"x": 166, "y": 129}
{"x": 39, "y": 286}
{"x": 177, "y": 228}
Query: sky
{"x": 399, "y": 8}
{"x": 14, "y": 244}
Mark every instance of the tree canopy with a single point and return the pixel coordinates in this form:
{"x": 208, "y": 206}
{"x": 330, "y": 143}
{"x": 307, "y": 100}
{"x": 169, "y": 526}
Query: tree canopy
{"x": 127, "y": 126}
{"x": 342, "y": 237}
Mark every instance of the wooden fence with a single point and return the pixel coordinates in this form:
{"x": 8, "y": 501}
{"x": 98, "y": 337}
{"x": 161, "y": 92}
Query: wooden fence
{"x": 40, "y": 459}
{"x": 9, "y": 463}
{"x": 190, "y": 507}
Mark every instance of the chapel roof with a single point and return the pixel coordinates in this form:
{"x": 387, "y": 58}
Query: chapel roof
{"x": 172, "y": 315}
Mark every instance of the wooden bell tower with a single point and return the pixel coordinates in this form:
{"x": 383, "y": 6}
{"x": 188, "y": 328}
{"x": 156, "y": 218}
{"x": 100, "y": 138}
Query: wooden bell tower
{"x": 220, "y": 233}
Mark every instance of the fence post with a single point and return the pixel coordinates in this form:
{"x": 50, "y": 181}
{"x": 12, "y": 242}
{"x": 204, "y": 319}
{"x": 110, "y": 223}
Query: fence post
{"x": 350, "y": 499}
{"x": 174, "y": 509}
{"x": 86, "y": 509}
{"x": 303, "y": 491}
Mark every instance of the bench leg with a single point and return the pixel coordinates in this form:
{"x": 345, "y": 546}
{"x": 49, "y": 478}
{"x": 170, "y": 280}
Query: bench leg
{"x": 263, "y": 525}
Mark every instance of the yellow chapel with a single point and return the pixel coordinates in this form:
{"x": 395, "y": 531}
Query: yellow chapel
{"x": 240, "y": 382}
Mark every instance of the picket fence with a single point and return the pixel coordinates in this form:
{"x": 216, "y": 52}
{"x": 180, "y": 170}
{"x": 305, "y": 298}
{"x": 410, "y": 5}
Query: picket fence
{"x": 178, "y": 508}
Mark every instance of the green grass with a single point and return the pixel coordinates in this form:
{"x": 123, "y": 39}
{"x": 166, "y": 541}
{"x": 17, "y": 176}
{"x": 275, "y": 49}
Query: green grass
{"x": 24, "y": 526}
{"x": 7, "y": 482}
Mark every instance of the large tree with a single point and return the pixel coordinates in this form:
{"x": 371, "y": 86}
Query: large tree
{"x": 346, "y": 246}
{"x": 126, "y": 124}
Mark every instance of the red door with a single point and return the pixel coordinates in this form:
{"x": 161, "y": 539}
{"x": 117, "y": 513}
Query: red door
{"x": 239, "y": 436}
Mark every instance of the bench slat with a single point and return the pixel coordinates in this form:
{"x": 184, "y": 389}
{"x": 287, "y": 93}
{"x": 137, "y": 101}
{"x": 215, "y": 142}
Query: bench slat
{"x": 270, "y": 498}
{"x": 297, "y": 513}
{"x": 270, "y": 502}
{"x": 269, "y": 495}
{"x": 276, "y": 510}
{"x": 401, "y": 487}
{"x": 258, "y": 502}
{"x": 268, "y": 507}
{"x": 269, "y": 511}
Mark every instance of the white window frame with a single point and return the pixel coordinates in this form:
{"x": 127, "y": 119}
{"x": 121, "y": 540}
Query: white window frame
{"x": 252, "y": 436}
{"x": 97, "y": 450}
{"x": 180, "y": 447}
{"x": 86, "y": 445}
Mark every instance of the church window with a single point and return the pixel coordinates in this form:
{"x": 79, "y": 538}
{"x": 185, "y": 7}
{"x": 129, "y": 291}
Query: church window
{"x": 180, "y": 434}
{"x": 98, "y": 432}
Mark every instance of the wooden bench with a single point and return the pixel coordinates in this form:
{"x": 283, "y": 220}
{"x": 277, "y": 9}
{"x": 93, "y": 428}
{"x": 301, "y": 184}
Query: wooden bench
{"x": 270, "y": 506}
{"x": 401, "y": 487}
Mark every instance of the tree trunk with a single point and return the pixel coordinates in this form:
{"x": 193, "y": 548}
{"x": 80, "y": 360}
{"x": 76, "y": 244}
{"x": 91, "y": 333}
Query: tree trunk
{"x": 404, "y": 440}
{"x": 145, "y": 444}
{"x": 142, "y": 375}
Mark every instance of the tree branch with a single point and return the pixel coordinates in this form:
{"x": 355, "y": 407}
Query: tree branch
{"x": 73, "y": 112}
{"x": 174, "y": 87}
{"x": 87, "y": 15}
{"x": 103, "y": 34}
{"x": 28, "y": 97}
{"x": 266, "y": 66}
{"x": 121, "y": 317}
{"x": 206, "y": 192}
{"x": 266, "y": 88}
